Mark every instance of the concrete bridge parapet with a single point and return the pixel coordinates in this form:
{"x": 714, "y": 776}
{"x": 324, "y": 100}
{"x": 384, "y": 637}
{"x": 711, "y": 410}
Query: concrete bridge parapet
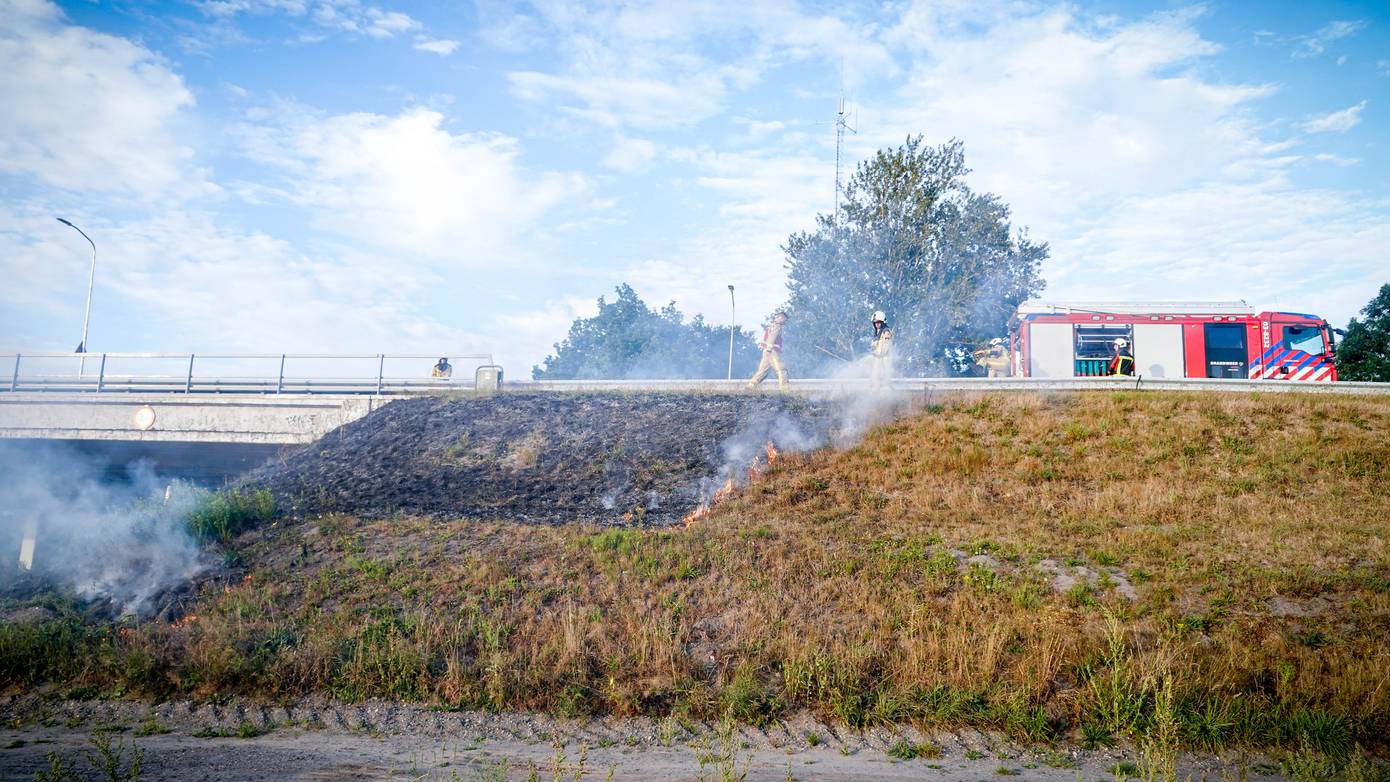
{"x": 281, "y": 419}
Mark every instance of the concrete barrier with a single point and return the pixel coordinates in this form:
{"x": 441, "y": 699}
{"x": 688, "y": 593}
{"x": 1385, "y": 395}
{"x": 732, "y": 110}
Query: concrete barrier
{"x": 279, "y": 419}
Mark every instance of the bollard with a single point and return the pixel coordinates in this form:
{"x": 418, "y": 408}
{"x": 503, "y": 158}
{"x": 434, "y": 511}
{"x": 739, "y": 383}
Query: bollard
{"x": 488, "y": 377}
{"x": 26, "y": 547}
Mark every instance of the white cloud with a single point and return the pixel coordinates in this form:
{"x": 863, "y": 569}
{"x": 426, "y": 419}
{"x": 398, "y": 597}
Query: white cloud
{"x": 406, "y": 184}
{"x": 671, "y": 65}
{"x": 630, "y": 154}
{"x": 1384, "y": 66}
{"x": 441, "y": 47}
{"x": 85, "y": 110}
{"x": 1107, "y": 138}
{"x": 1336, "y": 160}
{"x": 1267, "y": 242}
{"x": 348, "y": 16}
{"x": 351, "y": 16}
{"x": 182, "y": 281}
{"x": 1061, "y": 115}
{"x": 226, "y": 8}
{"x": 1337, "y": 121}
{"x": 1317, "y": 43}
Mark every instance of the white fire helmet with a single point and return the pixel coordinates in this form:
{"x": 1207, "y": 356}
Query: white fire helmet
{"x": 879, "y": 316}
{"x": 1121, "y": 342}
{"x": 996, "y": 342}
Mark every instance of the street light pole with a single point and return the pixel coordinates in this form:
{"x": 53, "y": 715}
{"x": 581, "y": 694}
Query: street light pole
{"x": 733, "y": 326}
{"x": 91, "y": 281}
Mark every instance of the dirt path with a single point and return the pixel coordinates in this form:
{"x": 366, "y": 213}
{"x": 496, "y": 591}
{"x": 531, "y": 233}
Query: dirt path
{"x": 391, "y": 742}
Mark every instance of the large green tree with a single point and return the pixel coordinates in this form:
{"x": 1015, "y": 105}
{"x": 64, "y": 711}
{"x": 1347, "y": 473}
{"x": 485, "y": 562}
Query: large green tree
{"x": 628, "y": 339}
{"x": 913, "y": 240}
{"x": 1365, "y": 350}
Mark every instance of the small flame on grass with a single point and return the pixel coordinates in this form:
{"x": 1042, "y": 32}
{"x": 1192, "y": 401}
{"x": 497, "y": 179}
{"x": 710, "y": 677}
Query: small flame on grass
{"x": 727, "y": 489}
{"x": 187, "y": 620}
{"x": 705, "y": 505}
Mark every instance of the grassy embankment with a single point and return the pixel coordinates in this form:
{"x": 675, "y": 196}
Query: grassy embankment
{"x": 1252, "y": 530}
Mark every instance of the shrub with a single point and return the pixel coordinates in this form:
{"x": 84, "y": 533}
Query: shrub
{"x": 225, "y": 514}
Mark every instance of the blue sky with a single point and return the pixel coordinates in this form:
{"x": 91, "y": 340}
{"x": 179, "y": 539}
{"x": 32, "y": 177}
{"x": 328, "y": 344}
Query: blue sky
{"x": 363, "y": 176}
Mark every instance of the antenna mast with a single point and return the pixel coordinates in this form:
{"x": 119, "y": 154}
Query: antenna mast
{"x": 841, "y": 125}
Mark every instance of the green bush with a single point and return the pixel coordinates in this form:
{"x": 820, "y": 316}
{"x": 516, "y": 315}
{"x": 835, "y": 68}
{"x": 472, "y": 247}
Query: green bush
{"x": 226, "y": 514}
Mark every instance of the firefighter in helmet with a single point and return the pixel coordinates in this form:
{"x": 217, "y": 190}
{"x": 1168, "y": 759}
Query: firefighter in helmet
{"x": 881, "y": 351}
{"x": 1122, "y": 363}
{"x": 442, "y": 369}
{"x": 995, "y": 358}
{"x": 771, "y": 343}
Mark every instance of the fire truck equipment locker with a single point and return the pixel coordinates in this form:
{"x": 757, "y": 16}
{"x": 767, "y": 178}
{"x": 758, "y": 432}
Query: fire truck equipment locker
{"x": 1158, "y": 350}
{"x": 1051, "y": 351}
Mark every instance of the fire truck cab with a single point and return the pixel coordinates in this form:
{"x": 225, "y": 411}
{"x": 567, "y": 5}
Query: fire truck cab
{"x": 1171, "y": 340}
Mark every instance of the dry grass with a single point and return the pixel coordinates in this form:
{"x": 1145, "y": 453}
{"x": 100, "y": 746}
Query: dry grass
{"x": 1252, "y": 530}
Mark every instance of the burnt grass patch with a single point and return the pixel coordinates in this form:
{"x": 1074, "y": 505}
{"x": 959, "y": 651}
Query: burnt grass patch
{"x": 640, "y": 458}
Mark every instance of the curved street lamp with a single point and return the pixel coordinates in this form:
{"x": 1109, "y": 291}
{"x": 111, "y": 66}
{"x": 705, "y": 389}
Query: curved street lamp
{"x": 733, "y": 326}
{"x": 91, "y": 281}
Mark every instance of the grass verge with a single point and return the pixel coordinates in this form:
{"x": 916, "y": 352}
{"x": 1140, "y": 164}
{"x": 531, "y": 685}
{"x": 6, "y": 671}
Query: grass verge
{"x": 1203, "y": 571}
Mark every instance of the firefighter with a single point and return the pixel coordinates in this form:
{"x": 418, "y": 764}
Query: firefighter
{"x": 995, "y": 358}
{"x": 442, "y": 369}
{"x": 771, "y": 343}
{"x": 881, "y": 351}
{"x": 1122, "y": 363}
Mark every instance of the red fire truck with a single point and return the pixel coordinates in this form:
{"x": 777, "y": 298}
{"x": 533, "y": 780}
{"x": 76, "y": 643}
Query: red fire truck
{"x": 1228, "y": 339}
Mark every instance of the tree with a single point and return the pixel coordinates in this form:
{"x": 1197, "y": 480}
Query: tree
{"x": 627, "y": 339}
{"x": 1365, "y": 350}
{"x": 942, "y": 261}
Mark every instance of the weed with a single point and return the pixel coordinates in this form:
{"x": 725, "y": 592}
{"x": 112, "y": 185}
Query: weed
{"x": 224, "y": 514}
{"x": 151, "y": 727}
{"x": 1056, "y": 759}
{"x": 59, "y": 769}
{"x": 903, "y": 750}
{"x": 110, "y": 759}
{"x": 250, "y": 730}
{"x": 1124, "y": 770}
{"x": 493, "y": 772}
{"x": 1094, "y": 737}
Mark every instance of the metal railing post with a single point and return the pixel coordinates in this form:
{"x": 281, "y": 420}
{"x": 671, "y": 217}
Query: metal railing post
{"x": 280, "y": 383}
{"x": 188, "y": 381}
{"x": 380, "y": 370}
{"x": 101, "y": 373}
{"x": 14, "y": 379}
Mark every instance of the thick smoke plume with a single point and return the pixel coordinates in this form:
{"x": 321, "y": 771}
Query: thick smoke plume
{"x": 120, "y": 541}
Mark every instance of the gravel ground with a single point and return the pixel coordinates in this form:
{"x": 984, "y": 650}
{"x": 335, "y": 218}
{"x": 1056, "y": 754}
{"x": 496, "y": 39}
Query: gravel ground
{"x": 540, "y": 458}
{"x": 326, "y": 741}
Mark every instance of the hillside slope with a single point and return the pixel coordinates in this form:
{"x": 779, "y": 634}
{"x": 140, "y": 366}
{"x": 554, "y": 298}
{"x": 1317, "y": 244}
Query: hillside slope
{"x": 1200, "y": 570}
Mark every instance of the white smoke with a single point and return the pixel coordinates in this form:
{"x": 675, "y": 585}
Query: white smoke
{"x": 122, "y": 541}
{"x": 856, "y": 402}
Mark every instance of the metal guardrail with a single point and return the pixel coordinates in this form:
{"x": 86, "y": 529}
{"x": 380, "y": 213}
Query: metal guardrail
{"x": 246, "y": 380}
{"x": 380, "y": 382}
{"x": 934, "y": 384}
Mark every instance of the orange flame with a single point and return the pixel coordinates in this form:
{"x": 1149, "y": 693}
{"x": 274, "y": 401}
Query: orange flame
{"x": 184, "y": 622}
{"x": 705, "y": 505}
{"x": 771, "y": 454}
